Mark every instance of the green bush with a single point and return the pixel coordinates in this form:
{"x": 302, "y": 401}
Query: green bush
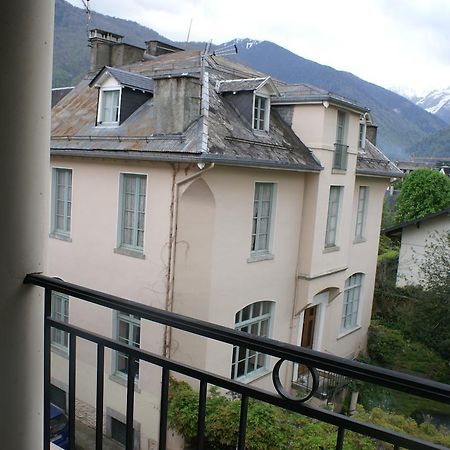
{"x": 273, "y": 428}
{"x": 388, "y": 348}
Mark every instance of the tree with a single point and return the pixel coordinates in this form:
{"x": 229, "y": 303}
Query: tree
{"x": 423, "y": 192}
{"x": 432, "y": 324}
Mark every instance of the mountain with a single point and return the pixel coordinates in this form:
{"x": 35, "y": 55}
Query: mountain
{"x": 401, "y": 123}
{"x": 436, "y": 145}
{"x": 437, "y": 102}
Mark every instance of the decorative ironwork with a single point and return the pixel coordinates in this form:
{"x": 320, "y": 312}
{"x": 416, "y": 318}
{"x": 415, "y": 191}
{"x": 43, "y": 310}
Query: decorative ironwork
{"x": 285, "y": 352}
{"x": 284, "y": 393}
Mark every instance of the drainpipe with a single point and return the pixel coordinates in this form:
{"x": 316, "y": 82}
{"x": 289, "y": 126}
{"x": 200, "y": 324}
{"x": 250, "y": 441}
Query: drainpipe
{"x": 172, "y": 243}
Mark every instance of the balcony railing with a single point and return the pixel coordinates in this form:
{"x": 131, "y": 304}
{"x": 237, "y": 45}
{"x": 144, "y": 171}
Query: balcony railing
{"x": 340, "y": 156}
{"x": 313, "y": 360}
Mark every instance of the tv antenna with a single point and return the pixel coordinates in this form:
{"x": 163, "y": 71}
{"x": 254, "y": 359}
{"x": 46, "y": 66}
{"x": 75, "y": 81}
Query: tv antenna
{"x": 188, "y": 35}
{"x": 88, "y": 16}
{"x": 227, "y": 50}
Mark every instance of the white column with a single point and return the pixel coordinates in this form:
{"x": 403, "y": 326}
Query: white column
{"x": 26, "y": 41}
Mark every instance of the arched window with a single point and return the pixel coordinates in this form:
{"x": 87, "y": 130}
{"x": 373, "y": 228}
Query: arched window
{"x": 352, "y": 296}
{"x": 254, "y": 319}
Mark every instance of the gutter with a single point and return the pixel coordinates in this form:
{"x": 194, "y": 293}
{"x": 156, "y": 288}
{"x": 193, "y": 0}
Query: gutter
{"x": 172, "y": 245}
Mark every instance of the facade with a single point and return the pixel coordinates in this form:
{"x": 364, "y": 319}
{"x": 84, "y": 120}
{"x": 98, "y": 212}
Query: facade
{"x": 415, "y": 236}
{"x": 195, "y": 184}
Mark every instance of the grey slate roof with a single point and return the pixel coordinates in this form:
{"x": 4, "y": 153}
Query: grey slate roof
{"x": 301, "y": 93}
{"x": 230, "y": 140}
{"x": 127, "y": 78}
{"x": 374, "y": 162}
{"x": 247, "y": 84}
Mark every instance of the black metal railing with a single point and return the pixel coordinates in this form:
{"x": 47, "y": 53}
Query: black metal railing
{"x": 329, "y": 383}
{"x": 313, "y": 360}
{"x": 340, "y": 156}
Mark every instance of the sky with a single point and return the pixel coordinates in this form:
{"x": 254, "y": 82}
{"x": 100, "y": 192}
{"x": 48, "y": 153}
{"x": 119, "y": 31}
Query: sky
{"x": 400, "y": 44}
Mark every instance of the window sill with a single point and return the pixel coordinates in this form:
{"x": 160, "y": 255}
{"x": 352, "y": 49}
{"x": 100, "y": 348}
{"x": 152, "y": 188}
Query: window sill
{"x": 332, "y": 248}
{"x": 122, "y": 380}
{"x": 338, "y": 171}
{"x": 60, "y": 351}
{"x": 260, "y": 373}
{"x": 107, "y": 125}
{"x": 359, "y": 240}
{"x": 129, "y": 252}
{"x": 260, "y": 257}
{"x": 347, "y": 332}
{"x": 61, "y": 237}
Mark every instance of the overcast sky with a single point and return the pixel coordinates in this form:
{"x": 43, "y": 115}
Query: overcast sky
{"x": 393, "y": 43}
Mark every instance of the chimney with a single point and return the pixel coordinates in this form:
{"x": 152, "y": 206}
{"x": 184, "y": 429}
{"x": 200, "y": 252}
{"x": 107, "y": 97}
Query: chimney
{"x": 176, "y": 101}
{"x": 371, "y": 133}
{"x": 108, "y": 49}
{"x": 158, "y": 48}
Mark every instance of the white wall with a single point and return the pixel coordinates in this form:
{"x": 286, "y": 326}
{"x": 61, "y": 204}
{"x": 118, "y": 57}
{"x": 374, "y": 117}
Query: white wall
{"x": 413, "y": 244}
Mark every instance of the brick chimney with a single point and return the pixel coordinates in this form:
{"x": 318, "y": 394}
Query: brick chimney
{"x": 371, "y": 133}
{"x": 108, "y": 49}
{"x": 176, "y": 101}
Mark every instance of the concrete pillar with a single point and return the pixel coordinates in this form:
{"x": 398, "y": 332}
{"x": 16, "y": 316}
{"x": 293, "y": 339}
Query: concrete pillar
{"x": 26, "y": 42}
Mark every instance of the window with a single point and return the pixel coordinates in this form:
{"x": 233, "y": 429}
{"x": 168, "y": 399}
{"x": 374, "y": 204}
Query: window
{"x": 128, "y": 331}
{"x": 132, "y": 212}
{"x": 361, "y": 212}
{"x": 118, "y": 431}
{"x": 109, "y": 106}
{"x": 62, "y": 201}
{"x": 262, "y": 217}
{"x": 333, "y": 215}
{"x": 60, "y": 311}
{"x": 261, "y": 113}
{"x": 340, "y": 148}
{"x": 254, "y": 319}
{"x": 352, "y": 295}
{"x": 362, "y": 136}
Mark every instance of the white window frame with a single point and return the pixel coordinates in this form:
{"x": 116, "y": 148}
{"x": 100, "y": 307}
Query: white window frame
{"x": 259, "y": 313}
{"x": 333, "y": 216}
{"x": 260, "y": 123}
{"x": 133, "y": 323}
{"x": 135, "y": 244}
{"x": 258, "y": 217}
{"x": 352, "y": 301}
{"x": 61, "y": 176}
{"x": 361, "y": 213}
{"x": 60, "y": 311}
{"x": 101, "y": 101}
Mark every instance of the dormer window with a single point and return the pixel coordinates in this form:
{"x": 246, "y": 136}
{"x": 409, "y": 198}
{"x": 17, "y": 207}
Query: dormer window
{"x": 109, "y": 106}
{"x": 261, "y": 113}
{"x": 121, "y": 93}
{"x": 251, "y": 97}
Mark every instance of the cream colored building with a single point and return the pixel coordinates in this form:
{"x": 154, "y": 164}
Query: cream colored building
{"x": 415, "y": 236}
{"x": 197, "y": 185}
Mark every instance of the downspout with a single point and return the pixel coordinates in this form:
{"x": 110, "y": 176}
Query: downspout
{"x": 172, "y": 245}
{"x": 203, "y": 148}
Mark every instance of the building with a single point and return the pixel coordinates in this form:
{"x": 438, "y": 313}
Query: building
{"x": 415, "y": 236}
{"x": 195, "y": 184}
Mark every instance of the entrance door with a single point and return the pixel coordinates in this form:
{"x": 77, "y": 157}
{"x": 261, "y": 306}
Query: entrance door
{"x": 309, "y": 325}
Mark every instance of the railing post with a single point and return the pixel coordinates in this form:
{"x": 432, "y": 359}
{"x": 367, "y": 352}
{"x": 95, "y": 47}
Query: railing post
{"x": 47, "y": 366}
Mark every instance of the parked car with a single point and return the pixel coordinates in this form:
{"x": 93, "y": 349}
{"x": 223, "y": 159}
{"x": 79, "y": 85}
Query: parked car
{"x": 59, "y": 427}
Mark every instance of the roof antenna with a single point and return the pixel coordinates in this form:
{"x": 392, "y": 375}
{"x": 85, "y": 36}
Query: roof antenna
{"x": 227, "y": 50}
{"x": 88, "y": 17}
{"x": 188, "y": 35}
